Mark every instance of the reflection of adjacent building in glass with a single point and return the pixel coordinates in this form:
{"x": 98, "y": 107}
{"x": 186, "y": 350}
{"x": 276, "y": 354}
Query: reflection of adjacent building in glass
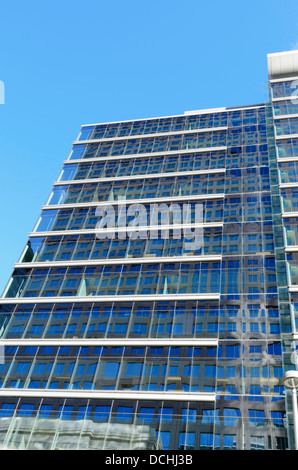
{"x": 151, "y": 342}
{"x": 50, "y": 434}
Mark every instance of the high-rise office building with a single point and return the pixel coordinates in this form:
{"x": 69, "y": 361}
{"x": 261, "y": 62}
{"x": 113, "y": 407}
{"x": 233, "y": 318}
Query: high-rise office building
{"x": 155, "y": 303}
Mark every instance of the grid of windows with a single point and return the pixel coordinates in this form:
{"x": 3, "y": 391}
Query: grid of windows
{"x": 90, "y": 247}
{"x": 282, "y": 89}
{"x": 138, "y": 189}
{"x": 165, "y": 425}
{"x": 136, "y": 279}
{"x": 110, "y": 368}
{"x": 203, "y": 321}
{"x": 253, "y": 316}
{"x": 90, "y": 217}
{"x": 173, "y": 124}
{"x": 250, "y": 135}
{"x": 142, "y": 166}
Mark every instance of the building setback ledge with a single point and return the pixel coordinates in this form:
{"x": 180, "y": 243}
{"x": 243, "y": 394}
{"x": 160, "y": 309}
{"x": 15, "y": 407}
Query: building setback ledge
{"x": 282, "y": 64}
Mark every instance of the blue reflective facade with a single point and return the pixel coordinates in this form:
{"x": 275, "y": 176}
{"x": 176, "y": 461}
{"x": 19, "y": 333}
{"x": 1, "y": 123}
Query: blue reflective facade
{"x": 135, "y": 342}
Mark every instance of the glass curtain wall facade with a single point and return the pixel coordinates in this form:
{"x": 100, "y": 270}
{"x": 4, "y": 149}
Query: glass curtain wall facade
{"x": 144, "y": 338}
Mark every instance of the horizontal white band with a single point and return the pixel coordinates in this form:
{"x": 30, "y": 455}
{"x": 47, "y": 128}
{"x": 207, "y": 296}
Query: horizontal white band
{"x": 282, "y": 98}
{"x": 285, "y": 116}
{"x": 287, "y": 159}
{"x": 129, "y": 229}
{"x": 108, "y": 298}
{"x": 286, "y": 137}
{"x": 293, "y": 289}
{"x": 284, "y": 79}
{"x": 288, "y": 185}
{"x": 286, "y": 215}
{"x": 291, "y": 248}
{"x": 106, "y": 395}
{"x": 156, "y": 342}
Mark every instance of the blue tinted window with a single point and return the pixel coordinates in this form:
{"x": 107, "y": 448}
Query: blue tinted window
{"x": 45, "y": 411}
{"x": 7, "y": 410}
{"x": 134, "y": 369}
{"x": 25, "y": 410}
{"x": 124, "y": 413}
{"x": 210, "y": 371}
{"x": 85, "y": 132}
{"x": 146, "y": 414}
{"x": 102, "y": 412}
{"x": 111, "y": 370}
{"x": 65, "y": 412}
{"x": 22, "y": 367}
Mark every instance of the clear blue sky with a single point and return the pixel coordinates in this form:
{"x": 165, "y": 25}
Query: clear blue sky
{"x": 66, "y": 63}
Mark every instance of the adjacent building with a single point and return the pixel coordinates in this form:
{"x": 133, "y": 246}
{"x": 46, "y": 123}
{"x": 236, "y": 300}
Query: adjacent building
{"x": 155, "y": 303}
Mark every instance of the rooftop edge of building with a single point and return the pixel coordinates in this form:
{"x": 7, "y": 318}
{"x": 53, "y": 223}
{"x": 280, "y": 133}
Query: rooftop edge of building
{"x": 186, "y": 113}
{"x": 222, "y": 110}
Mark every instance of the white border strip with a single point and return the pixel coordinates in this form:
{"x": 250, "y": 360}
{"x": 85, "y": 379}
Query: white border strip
{"x": 224, "y": 110}
{"x": 287, "y": 159}
{"x": 291, "y": 248}
{"x": 285, "y": 116}
{"x": 281, "y": 98}
{"x": 156, "y": 342}
{"x": 107, "y": 298}
{"x": 286, "y": 215}
{"x": 284, "y": 79}
{"x": 288, "y": 185}
{"x": 286, "y": 137}
{"x": 61, "y": 233}
{"x": 108, "y": 395}
{"x": 293, "y": 289}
